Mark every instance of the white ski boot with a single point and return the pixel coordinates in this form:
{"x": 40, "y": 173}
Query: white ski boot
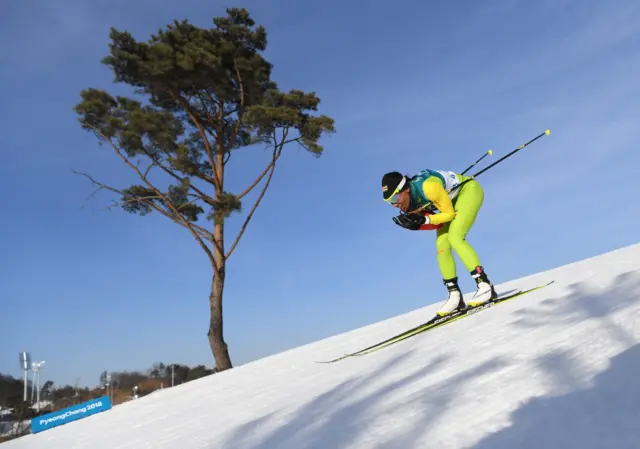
{"x": 455, "y": 301}
{"x": 485, "y": 291}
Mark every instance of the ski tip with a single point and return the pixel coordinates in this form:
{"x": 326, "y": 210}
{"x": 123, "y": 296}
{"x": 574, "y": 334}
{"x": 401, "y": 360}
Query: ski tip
{"x": 547, "y": 132}
{"x": 490, "y": 152}
{"x": 333, "y": 360}
{"x": 546, "y": 284}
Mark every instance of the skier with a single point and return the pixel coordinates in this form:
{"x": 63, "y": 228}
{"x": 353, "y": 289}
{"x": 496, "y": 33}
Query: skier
{"x": 429, "y": 202}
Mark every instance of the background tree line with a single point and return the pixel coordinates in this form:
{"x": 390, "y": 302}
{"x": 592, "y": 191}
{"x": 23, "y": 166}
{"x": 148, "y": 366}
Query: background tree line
{"x": 53, "y": 397}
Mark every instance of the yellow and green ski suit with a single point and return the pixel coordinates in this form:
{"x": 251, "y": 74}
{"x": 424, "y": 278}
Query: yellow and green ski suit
{"x": 456, "y": 211}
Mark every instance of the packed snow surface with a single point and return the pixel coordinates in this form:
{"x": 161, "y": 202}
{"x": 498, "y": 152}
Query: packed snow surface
{"x": 557, "y": 368}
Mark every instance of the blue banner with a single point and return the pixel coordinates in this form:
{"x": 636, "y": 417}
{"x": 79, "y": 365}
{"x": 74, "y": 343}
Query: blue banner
{"x": 73, "y": 413}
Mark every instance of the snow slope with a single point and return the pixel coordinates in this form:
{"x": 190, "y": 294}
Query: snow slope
{"x": 558, "y": 368}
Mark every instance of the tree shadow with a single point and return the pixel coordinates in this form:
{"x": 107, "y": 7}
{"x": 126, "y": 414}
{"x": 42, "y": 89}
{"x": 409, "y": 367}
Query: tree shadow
{"x": 250, "y": 434}
{"x": 605, "y": 415}
{"x": 432, "y": 402}
{"x": 582, "y": 304}
{"x": 353, "y": 410}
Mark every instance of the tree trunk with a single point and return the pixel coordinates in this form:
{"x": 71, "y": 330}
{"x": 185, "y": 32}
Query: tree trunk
{"x": 216, "y": 335}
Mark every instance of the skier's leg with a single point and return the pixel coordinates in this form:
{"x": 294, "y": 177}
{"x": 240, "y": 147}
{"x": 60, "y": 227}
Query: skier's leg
{"x": 447, "y": 265}
{"x": 467, "y": 206}
{"x": 446, "y": 262}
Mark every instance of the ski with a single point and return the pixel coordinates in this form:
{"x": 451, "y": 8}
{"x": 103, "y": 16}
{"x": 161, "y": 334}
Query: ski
{"x": 436, "y": 322}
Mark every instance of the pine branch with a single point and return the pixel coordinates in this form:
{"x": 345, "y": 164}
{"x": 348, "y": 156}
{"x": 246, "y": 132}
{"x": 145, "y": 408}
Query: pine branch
{"x": 207, "y": 145}
{"x": 259, "y": 178}
{"x": 268, "y": 167}
{"x": 204, "y": 233}
{"x": 178, "y": 216}
{"x": 181, "y": 179}
{"x": 234, "y": 136}
{"x": 277, "y": 151}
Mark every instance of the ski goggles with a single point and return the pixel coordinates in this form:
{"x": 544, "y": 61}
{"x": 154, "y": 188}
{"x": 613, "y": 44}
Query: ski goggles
{"x": 395, "y": 196}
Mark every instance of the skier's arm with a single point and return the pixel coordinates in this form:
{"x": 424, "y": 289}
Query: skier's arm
{"x": 434, "y": 191}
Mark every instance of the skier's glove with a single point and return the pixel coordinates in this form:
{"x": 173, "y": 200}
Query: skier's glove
{"x": 411, "y": 221}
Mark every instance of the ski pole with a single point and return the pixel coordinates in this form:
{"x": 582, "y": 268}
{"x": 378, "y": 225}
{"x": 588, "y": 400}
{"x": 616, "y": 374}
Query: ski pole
{"x": 546, "y": 133}
{"x": 500, "y": 160}
{"x": 476, "y": 162}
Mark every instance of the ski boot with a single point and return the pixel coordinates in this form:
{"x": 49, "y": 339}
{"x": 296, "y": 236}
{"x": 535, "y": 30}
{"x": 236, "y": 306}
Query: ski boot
{"x": 485, "y": 291}
{"x": 455, "y": 301}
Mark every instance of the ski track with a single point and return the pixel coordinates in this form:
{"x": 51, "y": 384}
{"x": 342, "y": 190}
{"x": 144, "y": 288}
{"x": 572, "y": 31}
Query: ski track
{"x": 556, "y": 368}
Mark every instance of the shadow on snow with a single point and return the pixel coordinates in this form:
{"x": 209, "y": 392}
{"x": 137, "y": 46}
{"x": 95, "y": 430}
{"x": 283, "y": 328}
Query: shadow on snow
{"x": 337, "y": 417}
{"x": 606, "y": 414}
{"x": 583, "y": 304}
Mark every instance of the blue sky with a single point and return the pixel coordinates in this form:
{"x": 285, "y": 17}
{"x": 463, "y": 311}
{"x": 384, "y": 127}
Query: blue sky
{"x": 415, "y": 85}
